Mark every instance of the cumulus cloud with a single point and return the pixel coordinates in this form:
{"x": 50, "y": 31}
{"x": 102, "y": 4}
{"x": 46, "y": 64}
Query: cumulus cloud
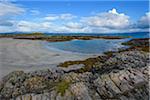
{"x": 141, "y": 25}
{"x": 111, "y": 19}
{"x": 113, "y": 22}
{"x": 52, "y": 17}
{"x": 144, "y": 21}
{"x": 27, "y": 26}
{"x": 105, "y": 22}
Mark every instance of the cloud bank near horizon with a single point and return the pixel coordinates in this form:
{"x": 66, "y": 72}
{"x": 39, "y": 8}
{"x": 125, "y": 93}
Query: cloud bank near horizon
{"x": 111, "y": 21}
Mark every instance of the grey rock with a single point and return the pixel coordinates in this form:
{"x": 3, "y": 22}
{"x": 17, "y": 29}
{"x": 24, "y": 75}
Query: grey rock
{"x": 116, "y": 85}
{"x": 124, "y": 76}
{"x": 80, "y": 91}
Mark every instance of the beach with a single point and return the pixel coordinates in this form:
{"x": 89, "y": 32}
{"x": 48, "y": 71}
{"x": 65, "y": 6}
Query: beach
{"x": 30, "y": 55}
{"x": 74, "y": 50}
{"x": 30, "y": 70}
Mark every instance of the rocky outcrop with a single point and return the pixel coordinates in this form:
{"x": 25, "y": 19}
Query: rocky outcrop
{"x": 124, "y": 60}
{"x": 18, "y": 82}
{"x": 124, "y": 76}
{"x": 126, "y": 84}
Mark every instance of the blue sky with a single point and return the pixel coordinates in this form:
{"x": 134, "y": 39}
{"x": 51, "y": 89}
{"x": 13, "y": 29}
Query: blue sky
{"x": 135, "y": 9}
{"x": 74, "y": 16}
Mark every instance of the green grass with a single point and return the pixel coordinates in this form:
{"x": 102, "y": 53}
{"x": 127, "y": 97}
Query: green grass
{"x": 62, "y": 86}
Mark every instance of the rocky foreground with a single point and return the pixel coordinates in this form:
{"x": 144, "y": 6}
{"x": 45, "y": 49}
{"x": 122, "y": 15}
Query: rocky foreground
{"x": 117, "y": 76}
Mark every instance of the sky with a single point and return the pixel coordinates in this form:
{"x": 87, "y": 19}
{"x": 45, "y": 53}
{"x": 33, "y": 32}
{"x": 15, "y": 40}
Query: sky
{"x": 74, "y": 16}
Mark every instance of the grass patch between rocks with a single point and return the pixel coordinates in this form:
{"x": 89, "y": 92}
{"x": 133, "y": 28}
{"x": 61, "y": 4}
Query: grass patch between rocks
{"x": 62, "y": 86}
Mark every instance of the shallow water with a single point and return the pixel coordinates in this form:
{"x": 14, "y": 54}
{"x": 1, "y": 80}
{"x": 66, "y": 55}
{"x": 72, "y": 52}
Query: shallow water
{"x": 96, "y": 46}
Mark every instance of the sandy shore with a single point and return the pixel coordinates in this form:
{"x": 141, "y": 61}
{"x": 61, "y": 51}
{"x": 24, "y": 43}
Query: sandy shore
{"x": 30, "y": 55}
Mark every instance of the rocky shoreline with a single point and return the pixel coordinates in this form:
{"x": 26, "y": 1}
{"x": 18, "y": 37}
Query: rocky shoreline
{"x": 121, "y": 75}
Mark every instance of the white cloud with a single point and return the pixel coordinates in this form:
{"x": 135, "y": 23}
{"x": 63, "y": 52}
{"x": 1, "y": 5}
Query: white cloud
{"x": 114, "y": 22}
{"x": 4, "y": 29}
{"x": 35, "y": 12}
{"x": 106, "y": 22}
{"x": 52, "y": 17}
{"x": 27, "y": 26}
{"x": 7, "y": 11}
{"x": 113, "y": 11}
{"x": 111, "y": 20}
{"x": 144, "y": 21}
{"x": 10, "y": 9}
{"x": 141, "y": 25}
{"x": 65, "y": 29}
{"x": 46, "y": 25}
{"x": 67, "y": 16}
{"x": 74, "y": 25}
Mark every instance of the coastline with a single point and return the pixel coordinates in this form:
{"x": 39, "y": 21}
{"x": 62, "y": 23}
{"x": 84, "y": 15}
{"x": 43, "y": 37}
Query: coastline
{"x": 119, "y": 74}
{"x": 29, "y": 55}
{"x": 42, "y": 36}
{"x": 74, "y": 50}
{"x": 25, "y": 51}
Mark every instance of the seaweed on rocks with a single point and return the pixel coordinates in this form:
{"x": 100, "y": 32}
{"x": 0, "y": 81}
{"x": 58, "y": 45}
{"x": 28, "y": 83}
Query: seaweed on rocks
{"x": 121, "y": 75}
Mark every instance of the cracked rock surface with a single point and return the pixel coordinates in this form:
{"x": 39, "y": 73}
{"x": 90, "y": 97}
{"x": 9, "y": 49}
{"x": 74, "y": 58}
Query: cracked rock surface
{"x": 124, "y": 76}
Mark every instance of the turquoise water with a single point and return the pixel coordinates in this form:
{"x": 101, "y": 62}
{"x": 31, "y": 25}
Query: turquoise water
{"x": 92, "y": 46}
{"x": 96, "y": 46}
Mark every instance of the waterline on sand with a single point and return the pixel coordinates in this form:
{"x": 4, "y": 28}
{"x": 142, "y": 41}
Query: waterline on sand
{"x": 86, "y": 47}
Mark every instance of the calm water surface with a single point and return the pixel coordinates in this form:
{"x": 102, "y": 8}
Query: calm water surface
{"x": 96, "y": 46}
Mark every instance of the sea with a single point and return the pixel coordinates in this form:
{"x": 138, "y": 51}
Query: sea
{"x": 95, "y": 46}
{"x": 88, "y": 47}
{"x": 131, "y": 35}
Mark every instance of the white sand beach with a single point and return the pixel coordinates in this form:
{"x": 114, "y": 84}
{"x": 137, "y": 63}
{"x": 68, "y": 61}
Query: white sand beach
{"x": 28, "y": 55}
